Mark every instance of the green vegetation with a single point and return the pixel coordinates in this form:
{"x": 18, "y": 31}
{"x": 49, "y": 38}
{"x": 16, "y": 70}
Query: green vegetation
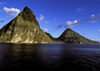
{"x": 25, "y": 29}
{"x": 70, "y": 36}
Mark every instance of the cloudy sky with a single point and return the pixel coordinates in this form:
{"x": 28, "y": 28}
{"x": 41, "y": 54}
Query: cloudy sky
{"x": 54, "y": 16}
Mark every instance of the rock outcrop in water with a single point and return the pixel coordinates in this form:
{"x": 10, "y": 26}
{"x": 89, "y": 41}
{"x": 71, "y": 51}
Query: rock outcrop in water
{"x": 70, "y": 36}
{"x": 23, "y": 29}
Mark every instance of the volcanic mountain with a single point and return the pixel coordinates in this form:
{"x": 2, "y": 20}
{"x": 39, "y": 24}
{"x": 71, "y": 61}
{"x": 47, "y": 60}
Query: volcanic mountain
{"x": 23, "y": 29}
{"x": 70, "y": 36}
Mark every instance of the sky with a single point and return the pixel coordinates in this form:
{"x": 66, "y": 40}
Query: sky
{"x": 54, "y": 16}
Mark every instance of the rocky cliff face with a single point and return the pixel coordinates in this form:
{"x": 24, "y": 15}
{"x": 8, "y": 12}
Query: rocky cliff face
{"x": 70, "y": 36}
{"x": 23, "y": 29}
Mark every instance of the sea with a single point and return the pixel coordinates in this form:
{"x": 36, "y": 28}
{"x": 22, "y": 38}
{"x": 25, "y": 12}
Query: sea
{"x": 49, "y": 57}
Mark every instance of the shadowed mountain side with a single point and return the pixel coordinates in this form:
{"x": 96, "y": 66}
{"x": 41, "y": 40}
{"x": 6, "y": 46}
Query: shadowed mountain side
{"x": 23, "y": 29}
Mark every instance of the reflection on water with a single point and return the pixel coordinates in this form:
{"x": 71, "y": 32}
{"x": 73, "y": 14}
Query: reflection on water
{"x": 49, "y": 57}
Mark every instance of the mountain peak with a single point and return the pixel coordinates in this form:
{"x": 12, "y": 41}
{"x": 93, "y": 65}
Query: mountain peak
{"x": 27, "y": 14}
{"x": 24, "y": 29}
{"x": 70, "y": 36}
{"x": 69, "y": 29}
{"x": 27, "y": 9}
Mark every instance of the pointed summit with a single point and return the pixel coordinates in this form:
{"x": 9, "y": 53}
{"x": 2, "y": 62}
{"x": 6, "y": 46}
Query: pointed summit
{"x": 23, "y": 29}
{"x": 28, "y": 15}
{"x": 26, "y": 8}
{"x": 68, "y": 29}
{"x": 70, "y": 36}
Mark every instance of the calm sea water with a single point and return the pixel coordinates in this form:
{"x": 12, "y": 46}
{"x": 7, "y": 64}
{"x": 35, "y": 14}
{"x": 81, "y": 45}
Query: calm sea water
{"x": 49, "y": 57}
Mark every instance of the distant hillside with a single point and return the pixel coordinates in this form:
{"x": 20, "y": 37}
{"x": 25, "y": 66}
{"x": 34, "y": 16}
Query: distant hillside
{"x": 23, "y": 29}
{"x": 70, "y": 36}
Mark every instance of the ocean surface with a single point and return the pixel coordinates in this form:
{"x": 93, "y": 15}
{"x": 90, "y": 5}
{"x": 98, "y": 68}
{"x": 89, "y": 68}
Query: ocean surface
{"x": 49, "y": 57}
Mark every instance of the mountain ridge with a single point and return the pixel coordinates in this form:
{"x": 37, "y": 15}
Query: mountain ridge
{"x": 25, "y": 28}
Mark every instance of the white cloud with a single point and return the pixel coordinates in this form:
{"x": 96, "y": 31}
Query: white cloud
{"x": 99, "y": 30}
{"x": 69, "y": 23}
{"x": 11, "y": 11}
{"x": 94, "y": 18}
{"x": 72, "y": 23}
{"x": 45, "y": 30}
{"x": 41, "y": 18}
{"x": 92, "y": 15}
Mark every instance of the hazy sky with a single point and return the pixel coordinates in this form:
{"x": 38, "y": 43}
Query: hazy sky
{"x": 55, "y": 16}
